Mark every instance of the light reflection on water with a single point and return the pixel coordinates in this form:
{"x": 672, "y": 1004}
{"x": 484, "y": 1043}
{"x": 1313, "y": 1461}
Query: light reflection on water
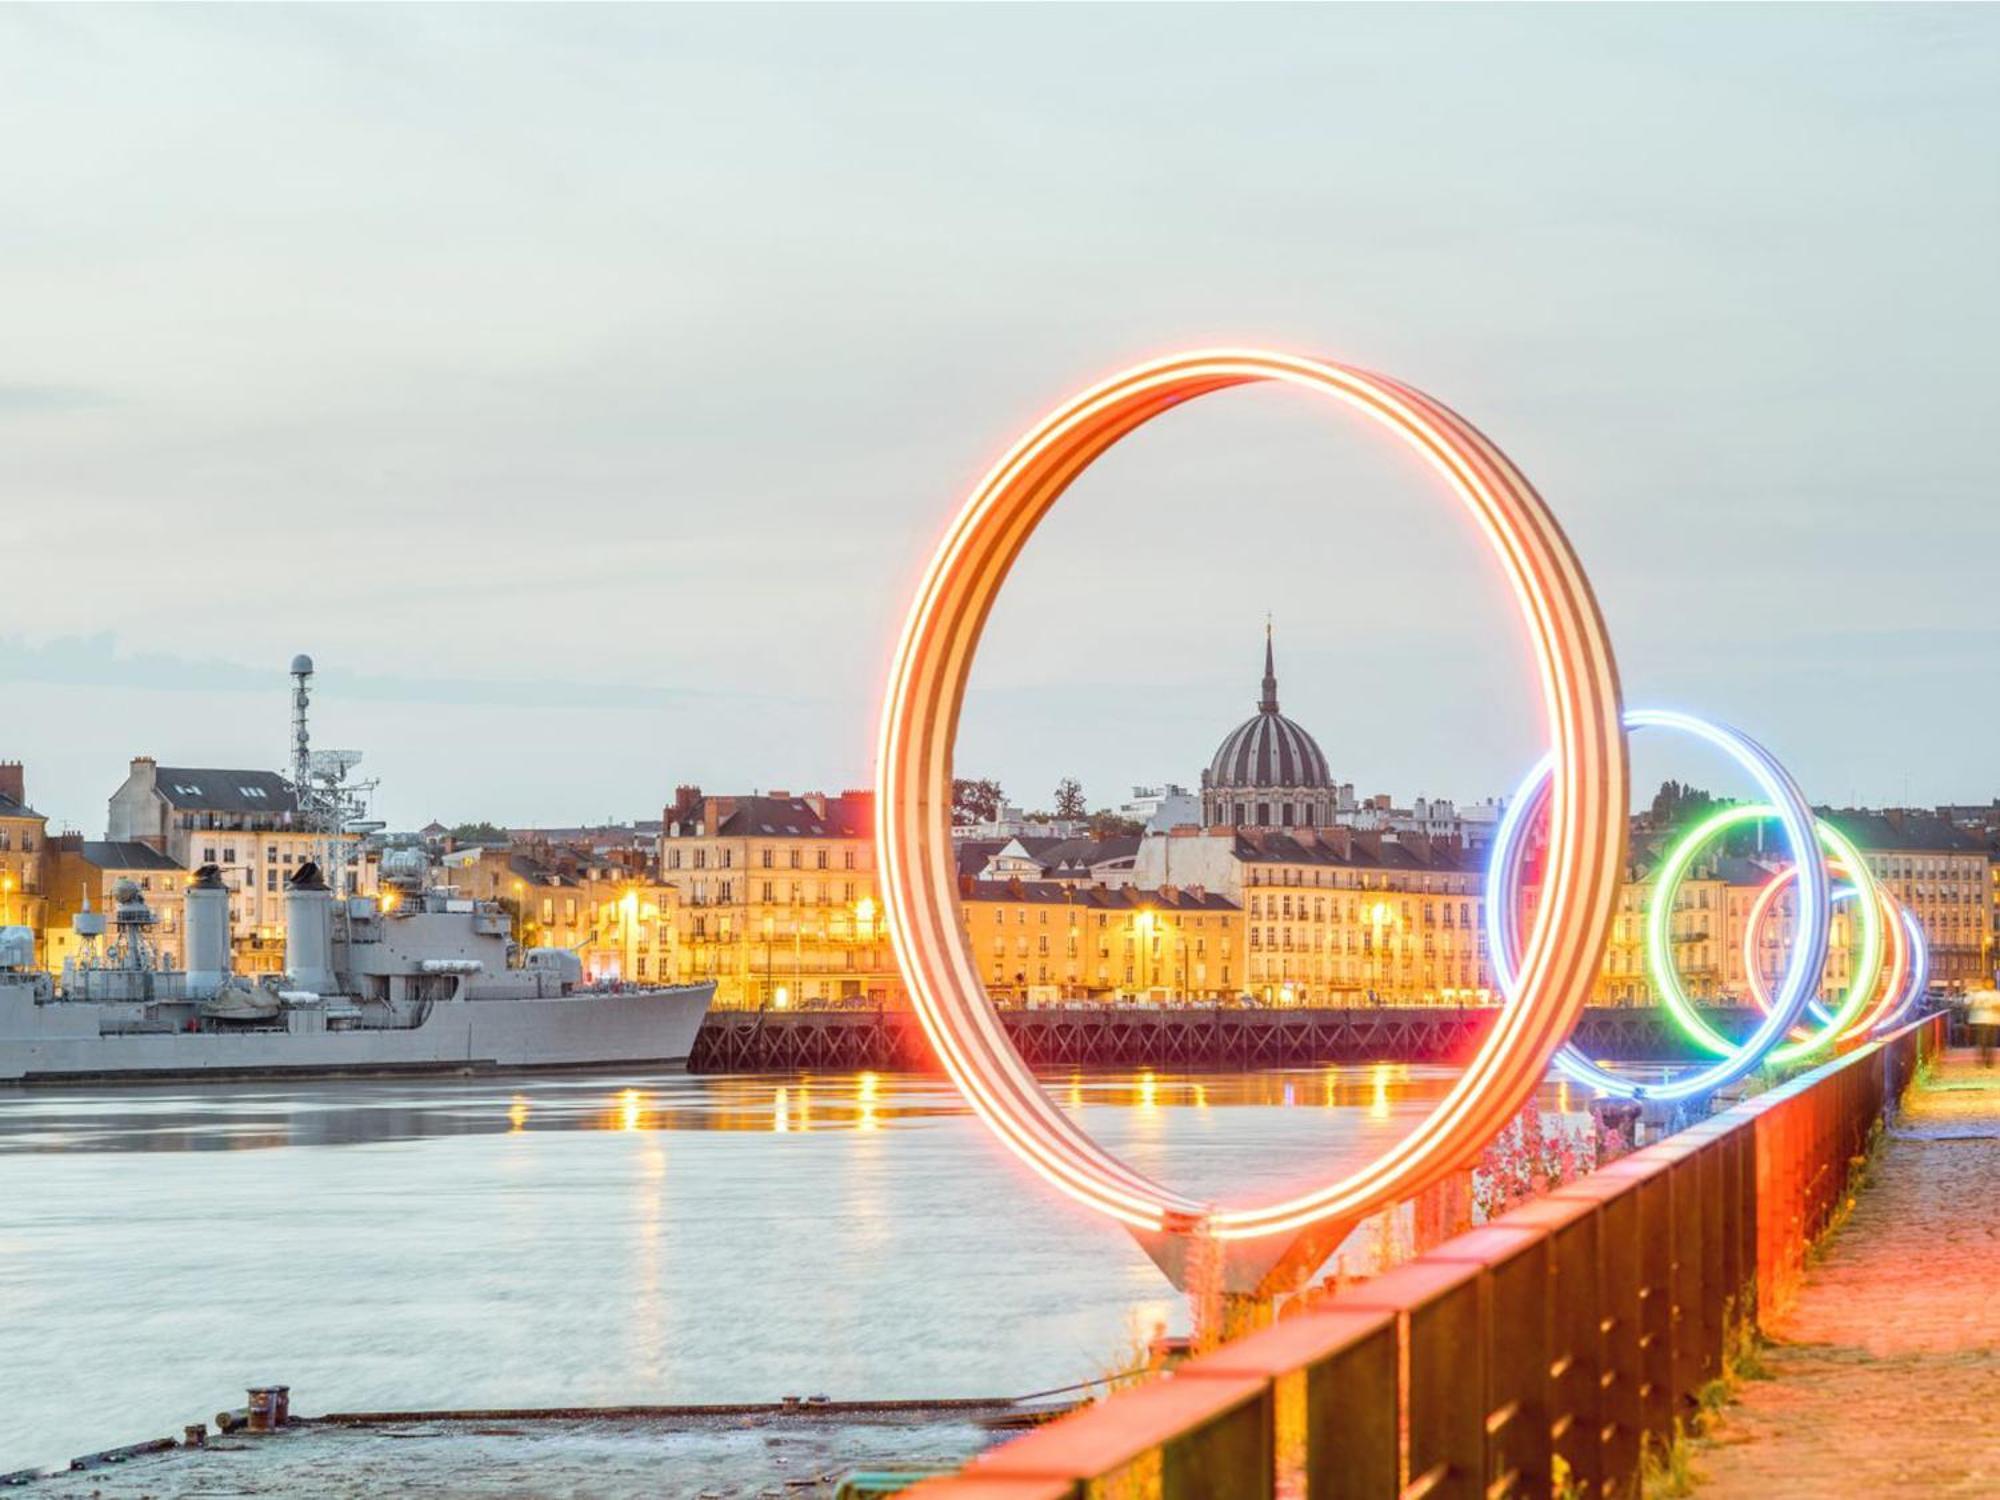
{"x": 555, "y": 1240}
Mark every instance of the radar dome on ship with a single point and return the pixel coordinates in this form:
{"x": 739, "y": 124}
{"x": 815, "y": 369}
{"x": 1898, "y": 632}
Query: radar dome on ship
{"x": 302, "y": 665}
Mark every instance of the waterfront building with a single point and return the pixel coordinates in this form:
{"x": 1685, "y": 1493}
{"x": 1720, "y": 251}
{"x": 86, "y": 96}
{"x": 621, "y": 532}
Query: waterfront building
{"x": 1085, "y": 861}
{"x": 1709, "y": 911}
{"x": 247, "y": 824}
{"x": 1941, "y": 872}
{"x": 81, "y": 871}
{"x": 615, "y": 915}
{"x": 1334, "y": 917}
{"x": 23, "y": 837}
{"x": 1045, "y": 941}
{"x": 777, "y": 900}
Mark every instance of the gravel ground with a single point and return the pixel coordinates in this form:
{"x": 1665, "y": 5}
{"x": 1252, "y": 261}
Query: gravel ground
{"x": 1887, "y": 1368}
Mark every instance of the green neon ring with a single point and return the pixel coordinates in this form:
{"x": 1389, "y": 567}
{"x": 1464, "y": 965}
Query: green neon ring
{"x": 1659, "y": 935}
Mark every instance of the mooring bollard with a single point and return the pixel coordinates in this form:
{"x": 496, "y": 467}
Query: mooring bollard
{"x": 270, "y": 1407}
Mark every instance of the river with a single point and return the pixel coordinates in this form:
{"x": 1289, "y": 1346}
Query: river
{"x": 559, "y": 1240}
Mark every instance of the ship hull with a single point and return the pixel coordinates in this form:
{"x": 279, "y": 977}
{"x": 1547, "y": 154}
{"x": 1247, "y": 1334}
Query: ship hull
{"x": 654, "y": 1028}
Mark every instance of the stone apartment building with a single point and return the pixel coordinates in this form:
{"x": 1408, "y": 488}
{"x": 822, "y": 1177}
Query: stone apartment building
{"x": 776, "y": 897}
{"x": 244, "y": 822}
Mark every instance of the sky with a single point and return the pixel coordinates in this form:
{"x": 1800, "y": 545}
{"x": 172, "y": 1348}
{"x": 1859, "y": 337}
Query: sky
{"x": 585, "y": 388}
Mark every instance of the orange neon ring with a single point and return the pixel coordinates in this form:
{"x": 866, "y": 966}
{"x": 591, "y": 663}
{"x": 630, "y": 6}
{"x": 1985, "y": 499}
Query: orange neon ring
{"x": 1889, "y": 982}
{"x": 926, "y": 689}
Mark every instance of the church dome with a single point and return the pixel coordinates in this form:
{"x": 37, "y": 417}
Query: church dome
{"x": 1268, "y": 750}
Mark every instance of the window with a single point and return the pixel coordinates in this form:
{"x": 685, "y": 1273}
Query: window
{"x": 208, "y": 855}
{"x": 271, "y": 878}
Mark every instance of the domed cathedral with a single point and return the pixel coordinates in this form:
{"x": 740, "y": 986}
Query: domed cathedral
{"x": 1268, "y": 772}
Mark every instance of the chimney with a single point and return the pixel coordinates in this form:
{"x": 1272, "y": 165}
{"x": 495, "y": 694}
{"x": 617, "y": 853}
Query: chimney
{"x": 13, "y": 781}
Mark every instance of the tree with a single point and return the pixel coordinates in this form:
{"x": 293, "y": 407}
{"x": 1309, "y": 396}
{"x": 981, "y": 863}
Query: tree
{"x": 478, "y": 833}
{"x": 1676, "y": 802}
{"x": 1106, "y": 824}
{"x": 974, "y": 801}
{"x": 1069, "y": 799}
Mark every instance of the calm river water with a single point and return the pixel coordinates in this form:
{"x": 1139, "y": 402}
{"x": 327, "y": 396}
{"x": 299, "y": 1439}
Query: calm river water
{"x": 570, "y": 1240}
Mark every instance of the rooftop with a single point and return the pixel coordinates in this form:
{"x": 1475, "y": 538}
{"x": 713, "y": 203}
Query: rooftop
{"x": 207, "y": 789}
{"x": 119, "y": 854}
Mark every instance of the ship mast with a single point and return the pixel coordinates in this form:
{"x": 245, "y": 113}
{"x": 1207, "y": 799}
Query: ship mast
{"x": 330, "y": 806}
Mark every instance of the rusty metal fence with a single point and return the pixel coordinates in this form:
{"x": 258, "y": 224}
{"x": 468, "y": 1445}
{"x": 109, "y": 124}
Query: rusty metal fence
{"x": 1533, "y": 1355}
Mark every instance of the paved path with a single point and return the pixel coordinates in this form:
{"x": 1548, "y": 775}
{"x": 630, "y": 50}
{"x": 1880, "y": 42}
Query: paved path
{"x": 1888, "y": 1367}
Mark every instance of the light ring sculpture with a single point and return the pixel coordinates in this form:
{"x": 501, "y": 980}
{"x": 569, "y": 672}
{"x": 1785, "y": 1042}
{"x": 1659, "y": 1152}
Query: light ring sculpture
{"x": 1503, "y": 882}
{"x": 1891, "y": 981}
{"x": 1673, "y": 869}
{"x": 1919, "y": 979}
{"x": 926, "y": 687}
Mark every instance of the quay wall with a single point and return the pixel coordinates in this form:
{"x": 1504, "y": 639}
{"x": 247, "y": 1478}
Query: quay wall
{"x": 1178, "y": 1037}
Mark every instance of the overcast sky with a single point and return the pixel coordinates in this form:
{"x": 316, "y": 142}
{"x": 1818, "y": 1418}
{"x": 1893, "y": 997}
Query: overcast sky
{"x": 584, "y": 388}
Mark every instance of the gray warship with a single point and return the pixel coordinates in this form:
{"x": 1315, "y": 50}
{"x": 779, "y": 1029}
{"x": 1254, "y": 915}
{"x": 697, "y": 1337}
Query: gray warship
{"x": 415, "y": 979}
{"x": 418, "y": 984}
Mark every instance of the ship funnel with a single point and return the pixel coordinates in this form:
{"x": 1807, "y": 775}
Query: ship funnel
{"x": 207, "y": 933}
{"x": 309, "y": 931}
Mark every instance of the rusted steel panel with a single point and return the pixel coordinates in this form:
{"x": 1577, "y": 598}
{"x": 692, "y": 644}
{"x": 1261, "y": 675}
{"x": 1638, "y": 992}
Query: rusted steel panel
{"x": 1334, "y": 1399}
{"x": 1169, "y": 1438}
{"x": 1577, "y": 1394}
{"x": 1516, "y": 1314}
{"x": 1444, "y": 1371}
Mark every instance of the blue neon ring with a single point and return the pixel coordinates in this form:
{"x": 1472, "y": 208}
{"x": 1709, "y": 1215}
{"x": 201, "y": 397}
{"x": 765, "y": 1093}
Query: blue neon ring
{"x": 1802, "y": 975}
{"x": 1920, "y": 972}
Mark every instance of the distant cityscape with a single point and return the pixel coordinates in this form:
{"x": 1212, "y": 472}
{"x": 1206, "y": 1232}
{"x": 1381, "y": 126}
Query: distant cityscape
{"x": 1267, "y": 882}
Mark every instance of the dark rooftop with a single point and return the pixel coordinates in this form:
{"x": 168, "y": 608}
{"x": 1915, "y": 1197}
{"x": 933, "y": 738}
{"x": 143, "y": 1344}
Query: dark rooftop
{"x": 119, "y": 854}
{"x": 1096, "y": 898}
{"x": 203, "y": 789}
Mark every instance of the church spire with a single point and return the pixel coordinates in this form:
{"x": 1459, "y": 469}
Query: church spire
{"x": 1268, "y": 704}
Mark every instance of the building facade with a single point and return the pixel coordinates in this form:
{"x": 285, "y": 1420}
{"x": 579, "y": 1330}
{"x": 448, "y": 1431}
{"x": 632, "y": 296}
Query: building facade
{"x": 1333, "y": 917}
{"x": 23, "y": 840}
{"x": 776, "y": 898}
{"x": 246, "y": 823}
{"x": 1941, "y": 872}
{"x": 1041, "y": 941}
{"x": 615, "y": 916}
{"x": 84, "y": 870}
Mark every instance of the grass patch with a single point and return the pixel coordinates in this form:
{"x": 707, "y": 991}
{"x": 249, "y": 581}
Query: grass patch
{"x": 1666, "y": 1469}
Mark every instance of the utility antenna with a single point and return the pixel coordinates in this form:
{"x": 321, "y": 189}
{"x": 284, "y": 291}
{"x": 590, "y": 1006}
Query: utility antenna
{"x": 330, "y": 806}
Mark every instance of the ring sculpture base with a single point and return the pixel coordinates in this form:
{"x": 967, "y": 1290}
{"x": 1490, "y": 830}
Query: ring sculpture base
{"x": 1269, "y": 1266}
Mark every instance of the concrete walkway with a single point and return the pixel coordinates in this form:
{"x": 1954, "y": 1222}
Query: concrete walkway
{"x": 1887, "y": 1369}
